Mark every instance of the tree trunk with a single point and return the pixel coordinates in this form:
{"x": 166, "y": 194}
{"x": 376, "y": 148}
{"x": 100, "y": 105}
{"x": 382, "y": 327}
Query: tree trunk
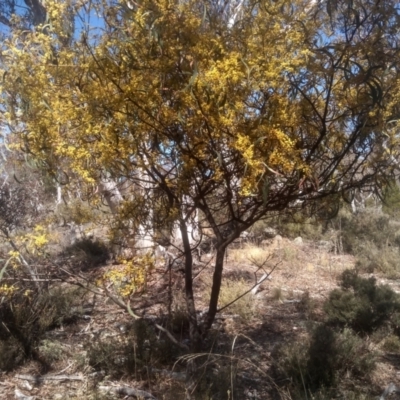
{"x": 190, "y": 304}
{"x": 216, "y": 288}
{"x": 111, "y": 193}
{"x": 194, "y": 332}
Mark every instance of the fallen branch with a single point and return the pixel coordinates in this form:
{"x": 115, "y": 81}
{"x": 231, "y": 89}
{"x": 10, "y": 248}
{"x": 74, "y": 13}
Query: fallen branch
{"x": 20, "y": 396}
{"x": 119, "y": 302}
{"x": 126, "y": 391}
{"x": 38, "y": 379}
{"x": 171, "y": 337}
{"x": 258, "y": 284}
{"x": 264, "y": 278}
{"x": 392, "y": 388}
{"x": 31, "y": 280}
{"x": 177, "y": 376}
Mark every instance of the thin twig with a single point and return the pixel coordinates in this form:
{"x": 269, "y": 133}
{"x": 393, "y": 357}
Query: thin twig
{"x": 248, "y": 291}
{"x": 171, "y": 337}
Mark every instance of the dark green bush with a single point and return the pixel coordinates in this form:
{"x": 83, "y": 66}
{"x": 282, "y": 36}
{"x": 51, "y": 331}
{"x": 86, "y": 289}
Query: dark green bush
{"x": 12, "y": 354}
{"x": 136, "y": 349}
{"x": 25, "y": 317}
{"x": 361, "y": 304}
{"x": 391, "y": 200}
{"x": 307, "y": 305}
{"x": 367, "y": 226}
{"x": 373, "y": 237}
{"x": 115, "y": 357}
{"x": 88, "y": 253}
{"x": 323, "y": 361}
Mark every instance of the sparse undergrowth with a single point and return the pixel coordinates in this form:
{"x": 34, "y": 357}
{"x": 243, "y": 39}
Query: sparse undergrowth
{"x": 373, "y": 237}
{"x": 87, "y": 253}
{"x": 335, "y": 357}
{"x": 362, "y": 305}
{"x": 310, "y": 366}
{"x": 27, "y": 316}
{"x": 319, "y": 364}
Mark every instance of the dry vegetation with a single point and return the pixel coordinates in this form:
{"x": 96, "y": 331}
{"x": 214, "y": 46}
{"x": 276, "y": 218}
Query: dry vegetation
{"x": 264, "y": 134}
{"x": 312, "y": 331}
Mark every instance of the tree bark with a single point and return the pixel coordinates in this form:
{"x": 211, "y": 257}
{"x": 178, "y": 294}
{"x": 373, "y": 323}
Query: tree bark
{"x": 38, "y": 11}
{"x": 111, "y": 193}
{"x": 190, "y": 304}
{"x": 216, "y": 288}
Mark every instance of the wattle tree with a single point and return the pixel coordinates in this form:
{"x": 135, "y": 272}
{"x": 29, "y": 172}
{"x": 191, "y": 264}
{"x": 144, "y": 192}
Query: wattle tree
{"x": 217, "y": 113}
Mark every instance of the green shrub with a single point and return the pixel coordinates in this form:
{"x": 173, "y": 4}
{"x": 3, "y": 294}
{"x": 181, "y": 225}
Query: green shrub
{"x": 307, "y": 305}
{"x": 372, "y": 237}
{"x": 51, "y": 351}
{"x": 114, "y": 357}
{"x": 361, "y": 304}
{"x": 299, "y": 224}
{"x": 367, "y": 226}
{"x": 88, "y": 253}
{"x": 318, "y": 365}
{"x": 132, "y": 352}
{"x": 370, "y": 258}
{"x": 12, "y": 354}
{"x": 76, "y": 211}
{"x": 392, "y": 344}
{"x": 214, "y": 381}
{"x": 391, "y": 200}
{"x": 25, "y": 317}
{"x": 231, "y": 290}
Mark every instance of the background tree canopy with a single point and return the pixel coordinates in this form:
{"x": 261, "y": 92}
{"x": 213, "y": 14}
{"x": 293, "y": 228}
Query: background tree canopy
{"x": 216, "y": 112}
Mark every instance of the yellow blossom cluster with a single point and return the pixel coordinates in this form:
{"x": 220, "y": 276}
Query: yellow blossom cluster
{"x": 34, "y": 242}
{"x": 130, "y": 276}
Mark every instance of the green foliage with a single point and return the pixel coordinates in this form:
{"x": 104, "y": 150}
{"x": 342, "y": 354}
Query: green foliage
{"x": 88, "y": 253}
{"x": 323, "y": 361}
{"x": 244, "y": 306}
{"x": 391, "y": 200}
{"x": 132, "y": 352}
{"x": 51, "y": 351}
{"x": 214, "y": 381}
{"x": 366, "y": 227}
{"x": 373, "y": 237}
{"x": 392, "y": 344}
{"x": 27, "y": 316}
{"x": 385, "y": 260}
{"x": 306, "y": 305}
{"x": 112, "y": 356}
{"x": 300, "y": 224}
{"x": 77, "y": 212}
{"x": 12, "y": 354}
{"x": 361, "y": 304}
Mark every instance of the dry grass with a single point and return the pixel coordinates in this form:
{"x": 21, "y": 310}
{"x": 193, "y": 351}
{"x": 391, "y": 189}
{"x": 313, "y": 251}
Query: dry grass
{"x": 244, "y": 307}
{"x": 231, "y": 289}
{"x": 392, "y": 344}
{"x": 305, "y": 274}
{"x": 250, "y": 254}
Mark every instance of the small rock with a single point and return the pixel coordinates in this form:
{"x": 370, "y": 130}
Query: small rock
{"x": 325, "y": 245}
{"x": 270, "y": 233}
{"x": 20, "y": 396}
{"x": 25, "y": 385}
{"x": 298, "y": 241}
{"x": 278, "y": 239}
